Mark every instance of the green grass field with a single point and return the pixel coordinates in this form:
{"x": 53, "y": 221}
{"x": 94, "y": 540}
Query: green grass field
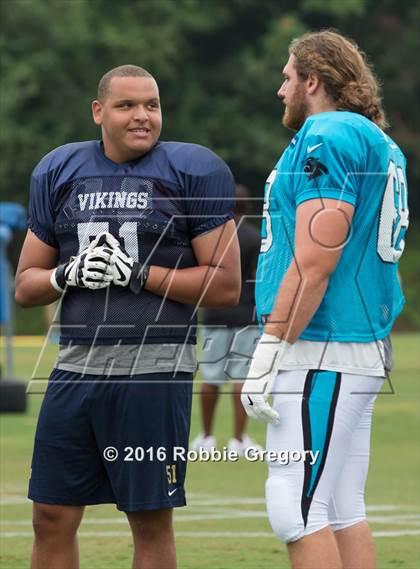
{"x": 225, "y": 524}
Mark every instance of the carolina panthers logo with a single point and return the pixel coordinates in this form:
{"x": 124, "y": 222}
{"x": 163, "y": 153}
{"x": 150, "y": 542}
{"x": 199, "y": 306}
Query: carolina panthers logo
{"x": 314, "y": 168}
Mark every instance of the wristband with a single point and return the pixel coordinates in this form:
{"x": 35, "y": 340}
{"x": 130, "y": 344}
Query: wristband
{"x": 57, "y": 278}
{"x": 138, "y": 277}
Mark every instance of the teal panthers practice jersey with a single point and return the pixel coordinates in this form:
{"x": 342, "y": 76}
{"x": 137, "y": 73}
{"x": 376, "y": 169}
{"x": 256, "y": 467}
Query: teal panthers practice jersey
{"x": 344, "y": 156}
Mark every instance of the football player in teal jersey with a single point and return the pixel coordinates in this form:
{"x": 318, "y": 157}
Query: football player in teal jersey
{"x": 327, "y": 295}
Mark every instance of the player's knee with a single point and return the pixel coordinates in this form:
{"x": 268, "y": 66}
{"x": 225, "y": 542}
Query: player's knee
{"x": 150, "y": 525}
{"x": 347, "y": 519}
{"x": 283, "y": 507}
{"x": 351, "y": 524}
{"x": 51, "y": 519}
{"x": 346, "y": 510}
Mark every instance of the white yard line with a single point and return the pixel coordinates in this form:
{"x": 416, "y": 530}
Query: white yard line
{"x": 401, "y": 533}
{"x": 13, "y": 500}
{"x": 201, "y": 534}
{"x": 410, "y": 519}
{"x": 197, "y": 500}
{"x": 207, "y": 507}
{"x": 224, "y": 515}
{"x": 7, "y": 500}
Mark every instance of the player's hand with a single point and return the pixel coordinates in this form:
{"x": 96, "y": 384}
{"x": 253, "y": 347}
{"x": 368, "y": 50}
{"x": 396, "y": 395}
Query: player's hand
{"x": 123, "y": 263}
{"x": 92, "y": 268}
{"x": 125, "y": 271}
{"x": 262, "y": 373}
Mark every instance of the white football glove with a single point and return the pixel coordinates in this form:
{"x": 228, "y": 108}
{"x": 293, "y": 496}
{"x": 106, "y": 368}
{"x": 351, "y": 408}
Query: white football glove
{"x": 123, "y": 263}
{"x": 126, "y": 272}
{"x": 262, "y": 373}
{"x": 92, "y": 268}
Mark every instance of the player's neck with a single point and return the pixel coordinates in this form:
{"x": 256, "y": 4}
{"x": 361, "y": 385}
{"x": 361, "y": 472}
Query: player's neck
{"x": 321, "y": 105}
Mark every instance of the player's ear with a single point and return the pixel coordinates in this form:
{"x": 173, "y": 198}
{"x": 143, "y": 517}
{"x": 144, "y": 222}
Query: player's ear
{"x": 312, "y": 83}
{"x": 97, "y": 112}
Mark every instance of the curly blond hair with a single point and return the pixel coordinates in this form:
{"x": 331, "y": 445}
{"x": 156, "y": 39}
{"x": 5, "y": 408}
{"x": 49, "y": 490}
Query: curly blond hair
{"x": 342, "y": 67}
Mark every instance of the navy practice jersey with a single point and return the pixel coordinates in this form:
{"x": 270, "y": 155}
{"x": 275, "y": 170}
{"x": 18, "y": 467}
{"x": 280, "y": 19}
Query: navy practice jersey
{"x": 154, "y": 206}
{"x": 346, "y": 157}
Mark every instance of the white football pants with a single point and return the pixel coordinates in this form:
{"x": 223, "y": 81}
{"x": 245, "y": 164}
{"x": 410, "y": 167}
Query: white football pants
{"x": 331, "y": 413}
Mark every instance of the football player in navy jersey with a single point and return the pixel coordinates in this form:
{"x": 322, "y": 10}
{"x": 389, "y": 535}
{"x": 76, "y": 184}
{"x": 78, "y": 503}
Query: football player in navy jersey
{"x": 131, "y": 234}
{"x": 327, "y": 295}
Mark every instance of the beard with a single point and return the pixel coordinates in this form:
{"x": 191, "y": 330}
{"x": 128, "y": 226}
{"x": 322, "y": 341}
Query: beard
{"x": 297, "y": 110}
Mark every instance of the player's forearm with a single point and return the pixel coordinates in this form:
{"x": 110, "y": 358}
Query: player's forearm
{"x": 211, "y": 287}
{"x": 33, "y": 288}
{"x": 298, "y": 298}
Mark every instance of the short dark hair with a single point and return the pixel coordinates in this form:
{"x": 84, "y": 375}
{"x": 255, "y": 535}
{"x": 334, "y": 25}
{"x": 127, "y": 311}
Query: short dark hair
{"x": 121, "y": 71}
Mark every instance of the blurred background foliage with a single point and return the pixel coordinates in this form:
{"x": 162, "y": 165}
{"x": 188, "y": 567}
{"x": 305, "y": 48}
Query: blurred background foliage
{"x": 218, "y": 64}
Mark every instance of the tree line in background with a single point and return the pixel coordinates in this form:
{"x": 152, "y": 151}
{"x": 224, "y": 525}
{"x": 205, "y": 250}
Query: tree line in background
{"x": 218, "y": 64}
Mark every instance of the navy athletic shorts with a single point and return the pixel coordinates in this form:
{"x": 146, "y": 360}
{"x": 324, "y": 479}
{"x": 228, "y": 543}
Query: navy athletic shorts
{"x": 85, "y": 421}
